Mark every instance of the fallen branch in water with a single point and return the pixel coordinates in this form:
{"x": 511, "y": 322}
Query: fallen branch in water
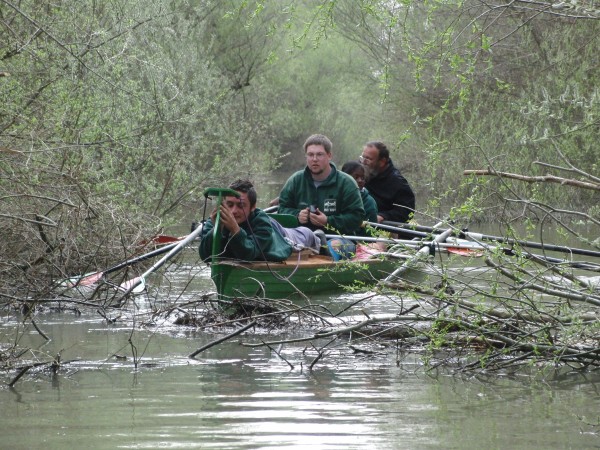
{"x": 280, "y": 356}
{"x": 39, "y": 330}
{"x": 54, "y": 365}
{"x": 223, "y": 339}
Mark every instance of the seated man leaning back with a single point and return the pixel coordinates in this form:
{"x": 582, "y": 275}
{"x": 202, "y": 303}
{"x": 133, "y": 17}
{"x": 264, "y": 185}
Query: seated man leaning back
{"x": 248, "y": 233}
{"x": 323, "y": 197}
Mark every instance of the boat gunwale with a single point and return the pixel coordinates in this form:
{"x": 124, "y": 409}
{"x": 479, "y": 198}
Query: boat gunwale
{"x": 314, "y": 261}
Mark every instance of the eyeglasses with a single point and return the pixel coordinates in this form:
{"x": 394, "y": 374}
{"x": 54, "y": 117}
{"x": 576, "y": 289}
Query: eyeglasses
{"x": 363, "y": 159}
{"x": 316, "y": 155}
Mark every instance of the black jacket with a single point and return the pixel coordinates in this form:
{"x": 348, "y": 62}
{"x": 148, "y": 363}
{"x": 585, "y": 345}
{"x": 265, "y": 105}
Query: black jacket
{"x": 392, "y": 193}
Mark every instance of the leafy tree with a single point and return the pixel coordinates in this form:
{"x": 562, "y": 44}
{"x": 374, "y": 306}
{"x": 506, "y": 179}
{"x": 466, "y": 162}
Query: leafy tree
{"x": 471, "y": 83}
{"x": 115, "y": 116}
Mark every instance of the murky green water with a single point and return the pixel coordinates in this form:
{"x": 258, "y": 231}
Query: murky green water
{"x": 238, "y": 397}
{"x": 234, "y": 396}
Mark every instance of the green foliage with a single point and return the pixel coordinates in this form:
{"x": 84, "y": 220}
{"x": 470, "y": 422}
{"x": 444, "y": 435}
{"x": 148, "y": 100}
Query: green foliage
{"x": 467, "y": 210}
{"x": 512, "y": 123}
{"x": 114, "y": 119}
{"x": 139, "y": 109}
{"x": 128, "y": 113}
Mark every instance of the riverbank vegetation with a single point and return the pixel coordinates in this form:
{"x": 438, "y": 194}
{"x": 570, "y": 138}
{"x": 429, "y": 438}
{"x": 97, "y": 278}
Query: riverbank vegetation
{"x": 116, "y": 117}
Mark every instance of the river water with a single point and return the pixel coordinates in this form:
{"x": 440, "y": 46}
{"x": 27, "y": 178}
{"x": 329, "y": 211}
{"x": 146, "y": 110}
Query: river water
{"x": 235, "y": 396}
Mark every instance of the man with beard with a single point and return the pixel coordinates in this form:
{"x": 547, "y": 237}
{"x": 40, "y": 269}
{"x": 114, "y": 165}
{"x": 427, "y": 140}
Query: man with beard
{"x": 323, "y": 197}
{"x": 392, "y": 193}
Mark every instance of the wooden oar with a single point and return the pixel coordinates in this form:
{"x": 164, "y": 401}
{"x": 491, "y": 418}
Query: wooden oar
{"x": 466, "y": 248}
{"x": 137, "y": 284}
{"x": 407, "y": 228}
{"x": 408, "y": 243}
{"x": 93, "y": 277}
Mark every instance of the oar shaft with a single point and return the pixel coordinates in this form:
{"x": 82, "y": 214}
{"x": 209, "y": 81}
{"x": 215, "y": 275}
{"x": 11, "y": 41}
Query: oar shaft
{"x": 402, "y": 230}
{"x": 423, "y": 251}
{"x": 137, "y": 259}
{"x": 413, "y": 227}
{"x": 422, "y": 231}
{"x": 91, "y": 278}
{"x": 530, "y": 244}
{"x": 462, "y": 244}
{"x": 271, "y": 209}
{"x": 410, "y": 243}
{"x": 219, "y": 193}
{"x": 373, "y": 239}
{"x": 130, "y": 285}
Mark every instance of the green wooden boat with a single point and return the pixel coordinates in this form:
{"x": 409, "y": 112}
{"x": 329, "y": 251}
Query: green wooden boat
{"x": 299, "y": 277}
{"x": 303, "y": 274}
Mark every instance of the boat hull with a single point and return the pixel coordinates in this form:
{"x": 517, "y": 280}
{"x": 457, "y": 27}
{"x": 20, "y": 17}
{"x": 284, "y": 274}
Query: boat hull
{"x": 297, "y": 279}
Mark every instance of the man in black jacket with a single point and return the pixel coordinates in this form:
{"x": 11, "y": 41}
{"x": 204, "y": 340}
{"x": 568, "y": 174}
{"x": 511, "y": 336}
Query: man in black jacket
{"x": 392, "y": 193}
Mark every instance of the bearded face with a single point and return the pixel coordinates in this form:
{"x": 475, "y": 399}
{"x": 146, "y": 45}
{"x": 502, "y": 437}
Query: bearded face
{"x": 370, "y": 161}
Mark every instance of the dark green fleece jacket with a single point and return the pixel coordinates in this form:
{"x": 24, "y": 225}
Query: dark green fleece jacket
{"x": 337, "y": 197}
{"x": 256, "y": 241}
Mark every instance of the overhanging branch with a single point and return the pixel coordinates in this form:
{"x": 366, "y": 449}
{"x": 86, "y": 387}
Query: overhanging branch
{"x": 535, "y": 179}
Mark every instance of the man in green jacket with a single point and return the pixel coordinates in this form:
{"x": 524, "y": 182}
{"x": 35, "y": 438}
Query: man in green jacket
{"x": 324, "y": 198}
{"x": 247, "y": 233}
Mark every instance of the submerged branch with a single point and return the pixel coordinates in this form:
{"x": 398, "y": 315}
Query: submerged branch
{"x": 223, "y": 339}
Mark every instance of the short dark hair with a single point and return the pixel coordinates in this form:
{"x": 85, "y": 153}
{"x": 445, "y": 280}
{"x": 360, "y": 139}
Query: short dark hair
{"x": 319, "y": 139}
{"x": 383, "y": 152}
{"x": 351, "y": 166}
{"x": 247, "y": 188}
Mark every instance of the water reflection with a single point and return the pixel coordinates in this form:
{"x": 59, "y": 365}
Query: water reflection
{"x": 239, "y": 397}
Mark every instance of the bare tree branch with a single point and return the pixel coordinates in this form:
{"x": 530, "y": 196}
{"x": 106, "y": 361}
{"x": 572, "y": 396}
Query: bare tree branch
{"x": 535, "y": 179}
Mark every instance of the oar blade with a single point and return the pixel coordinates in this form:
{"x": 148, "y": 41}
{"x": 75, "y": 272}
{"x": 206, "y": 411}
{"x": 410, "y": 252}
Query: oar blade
{"x": 138, "y": 282}
{"x": 162, "y": 239}
{"x": 84, "y": 280}
{"x": 462, "y": 251}
{"x": 90, "y": 279}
